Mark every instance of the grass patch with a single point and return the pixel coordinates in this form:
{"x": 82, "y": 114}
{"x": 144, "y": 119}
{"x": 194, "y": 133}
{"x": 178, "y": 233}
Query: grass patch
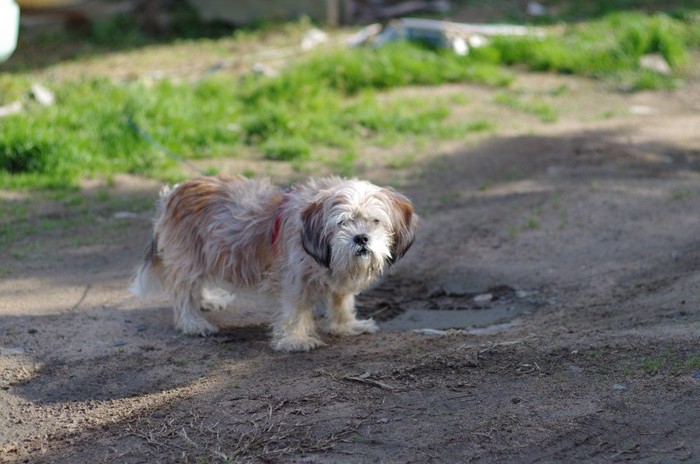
{"x": 286, "y": 149}
{"x": 328, "y": 101}
{"x": 609, "y": 48}
{"x": 543, "y": 110}
{"x": 670, "y": 361}
{"x": 394, "y": 65}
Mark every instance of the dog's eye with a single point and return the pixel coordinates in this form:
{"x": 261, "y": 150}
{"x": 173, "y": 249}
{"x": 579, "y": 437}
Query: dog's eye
{"x": 376, "y": 221}
{"x": 341, "y": 223}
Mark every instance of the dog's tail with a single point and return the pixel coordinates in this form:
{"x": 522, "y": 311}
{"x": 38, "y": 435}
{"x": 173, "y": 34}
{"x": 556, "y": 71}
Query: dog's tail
{"x": 147, "y": 278}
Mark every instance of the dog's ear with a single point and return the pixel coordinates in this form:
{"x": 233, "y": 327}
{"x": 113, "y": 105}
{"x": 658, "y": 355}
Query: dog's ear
{"x": 313, "y": 236}
{"x": 403, "y": 223}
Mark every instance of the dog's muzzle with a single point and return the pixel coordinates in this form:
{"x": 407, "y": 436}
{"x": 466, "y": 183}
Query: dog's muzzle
{"x": 361, "y": 244}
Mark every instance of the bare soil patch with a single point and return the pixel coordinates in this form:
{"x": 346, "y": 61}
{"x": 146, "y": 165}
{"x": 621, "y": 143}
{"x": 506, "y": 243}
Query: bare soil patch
{"x": 587, "y": 227}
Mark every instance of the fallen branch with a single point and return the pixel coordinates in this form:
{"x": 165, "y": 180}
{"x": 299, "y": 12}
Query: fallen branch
{"x": 364, "y": 378}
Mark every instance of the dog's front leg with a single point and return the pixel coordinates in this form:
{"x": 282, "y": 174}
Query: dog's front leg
{"x": 295, "y": 328}
{"x": 343, "y": 316}
{"x": 188, "y": 317}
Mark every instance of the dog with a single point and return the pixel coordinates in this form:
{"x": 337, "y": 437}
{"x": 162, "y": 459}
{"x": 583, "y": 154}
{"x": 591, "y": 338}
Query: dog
{"x": 323, "y": 241}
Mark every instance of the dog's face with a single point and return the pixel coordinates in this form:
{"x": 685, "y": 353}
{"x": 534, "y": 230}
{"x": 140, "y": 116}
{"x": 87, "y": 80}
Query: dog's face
{"x": 358, "y": 229}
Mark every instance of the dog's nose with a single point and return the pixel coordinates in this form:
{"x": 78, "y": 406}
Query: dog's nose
{"x": 361, "y": 239}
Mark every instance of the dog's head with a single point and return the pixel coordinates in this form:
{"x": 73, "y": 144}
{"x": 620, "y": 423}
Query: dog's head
{"x": 358, "y": 229}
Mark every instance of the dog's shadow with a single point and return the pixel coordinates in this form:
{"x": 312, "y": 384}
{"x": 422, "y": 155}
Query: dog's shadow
{"x": 245, "y": 334}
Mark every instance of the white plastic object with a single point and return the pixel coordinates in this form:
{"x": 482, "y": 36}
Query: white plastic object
{"x": 9, "y": 25}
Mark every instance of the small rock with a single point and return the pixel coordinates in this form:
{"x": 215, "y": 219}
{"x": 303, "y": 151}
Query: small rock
{"x": 460, "y": 47}
{"x": 575, "y": 369}
{"x": 313, "y": 38}
{"x": 516, "y": 400}
{"x": 618, "y": 387}
{"x": 536, "y": 9}
{"x": 119, "y": 343}
{"x": 263, "y": 70}
{"x": 483, "y": 298}
{"x": 554, "y": 170}
{"x": 382, "y": 420}
{"x": 655, "y": 62}
{"x": 141, "y": 327}
{"x": 641, "y": 110}
{"x": 364, "y": 35}
{"x": 477, "y": 40}
{"x": 431, "y": 331}
{"x": 12, "y": 108}
{"x": 124, "y": 215}
{"x": 42, "y": 95}
{"x": 696, "y": 375}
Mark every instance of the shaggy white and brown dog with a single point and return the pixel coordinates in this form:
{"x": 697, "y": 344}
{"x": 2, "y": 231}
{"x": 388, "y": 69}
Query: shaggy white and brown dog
{"x": 322, "y": 242}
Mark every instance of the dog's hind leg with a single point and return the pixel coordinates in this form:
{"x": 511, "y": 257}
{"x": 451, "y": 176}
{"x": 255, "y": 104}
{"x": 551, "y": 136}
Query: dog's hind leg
{"x": 188, "y": 317}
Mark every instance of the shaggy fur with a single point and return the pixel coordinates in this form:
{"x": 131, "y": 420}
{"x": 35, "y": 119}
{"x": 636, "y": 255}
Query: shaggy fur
{"x": 322, "y": 242}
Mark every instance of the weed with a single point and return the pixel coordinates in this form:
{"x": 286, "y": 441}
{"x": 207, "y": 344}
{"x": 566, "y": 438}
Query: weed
{"x": 563, "y": 219}
{"x": 450, "y": 197}
{"x": 560, "y": 90}
{"x": 651, "y": 365}
{"x": 402, "y": 160}
{"x": 541, "y": 109}
{"x": 344, "y": 163}
{"x": 103, "y": 196}
{"x": 681, "y": 193}
{"x": 461, "y": 129}
{"x": 693, "y": 362}
{"x": 211, "y": 171}
{"x": 670, "y": 361}
{"x": 286, "y": 149}
{"x": 530, "y": 224}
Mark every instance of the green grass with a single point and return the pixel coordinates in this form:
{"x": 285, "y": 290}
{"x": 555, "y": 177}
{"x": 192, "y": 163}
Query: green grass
{"x": 577, "y": 10}
{"x": 331, "y": 101}
{"x": 543, "y": 110}
{"x": 608, "y": 48}
{"x": 670, "y": 361}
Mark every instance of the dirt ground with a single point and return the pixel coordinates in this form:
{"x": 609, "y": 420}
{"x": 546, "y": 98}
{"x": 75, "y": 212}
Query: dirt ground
{"x": 587, "y": 229}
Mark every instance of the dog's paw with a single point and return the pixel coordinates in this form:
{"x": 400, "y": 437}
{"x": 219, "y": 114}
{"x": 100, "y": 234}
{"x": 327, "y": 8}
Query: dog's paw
{"x": 296, "y": 343}
{"x": 197, "y": 326}
{"x": 355, "y": 327}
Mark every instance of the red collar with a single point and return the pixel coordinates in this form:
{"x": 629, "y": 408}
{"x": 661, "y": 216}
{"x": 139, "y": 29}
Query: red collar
{"x": 278, "y": 223}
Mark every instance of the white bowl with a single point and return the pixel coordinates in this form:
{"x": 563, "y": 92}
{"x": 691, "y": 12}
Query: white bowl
{"x": 9, "y": 25}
